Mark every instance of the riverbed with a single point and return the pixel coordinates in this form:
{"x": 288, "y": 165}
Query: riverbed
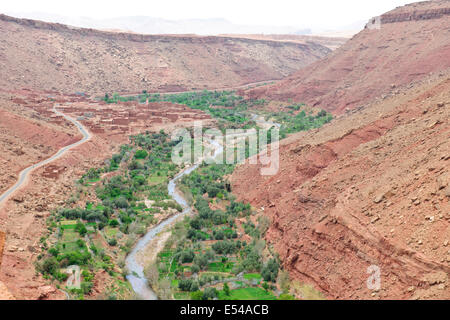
{"x": 135, "y": 267}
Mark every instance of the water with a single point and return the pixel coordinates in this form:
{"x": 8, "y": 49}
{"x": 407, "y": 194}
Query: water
{"x": 136, "y": 275}
{"x": 260, "y": 120}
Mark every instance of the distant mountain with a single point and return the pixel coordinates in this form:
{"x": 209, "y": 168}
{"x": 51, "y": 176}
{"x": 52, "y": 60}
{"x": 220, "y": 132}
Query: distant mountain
{"x": 43, "y": 56}
{"x": 151, "y": 25}
{"x": 359, "y": 192}
{"x": 373, "y": 61}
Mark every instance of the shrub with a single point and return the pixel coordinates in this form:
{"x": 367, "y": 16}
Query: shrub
{"x": 197, "y": 295}
{"x": 187, "y": 256}
{"x": 188, "y": 285}
{"x": 141, "y": 154}
{"x": 49, "y": 266}
{"x": 80, "y": 227}
{"x": 86, "y": 287}
{"x": 113, "y": 223}
{"x": 121, "y": 202}
{"x": 270, "y": 271}
{"x": 209, "y": 293}
{"x": 226, "y": 289}
{"x": 195, "y": 268}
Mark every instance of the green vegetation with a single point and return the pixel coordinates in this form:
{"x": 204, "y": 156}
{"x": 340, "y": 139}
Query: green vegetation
{"x": 250, "y": 276}
{"x": 222, "y": 244}
{"x": 233, "y": 110}
{"x": 208, "y": 244}
{"x": 118, "y": 215}
{"x": 250, "y": 293}
{"x": 223, "y": 105}
{"x": 301, "y": 121}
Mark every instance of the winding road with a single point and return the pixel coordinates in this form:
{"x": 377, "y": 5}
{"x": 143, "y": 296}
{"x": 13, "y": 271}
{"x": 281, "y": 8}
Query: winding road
{"x": 24, "y": 174}
{"x": 136, "y": 275}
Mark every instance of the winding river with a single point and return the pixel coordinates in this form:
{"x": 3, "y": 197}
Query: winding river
{"x": 136, "y": 275}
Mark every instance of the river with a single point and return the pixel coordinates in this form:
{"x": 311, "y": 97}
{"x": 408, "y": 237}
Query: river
{"x": 136, "y": 275}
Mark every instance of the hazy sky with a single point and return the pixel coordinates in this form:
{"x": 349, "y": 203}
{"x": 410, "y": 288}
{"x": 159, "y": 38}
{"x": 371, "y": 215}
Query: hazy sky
{"x": 298, "y": 13}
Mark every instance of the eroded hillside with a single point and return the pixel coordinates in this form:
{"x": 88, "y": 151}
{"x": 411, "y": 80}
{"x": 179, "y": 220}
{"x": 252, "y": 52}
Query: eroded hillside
{"x": 46, "y": 56}
{"x": 330, "y": 42}
{"x": 27, "y": 138}
{"x": 370, "y": 188}
{"x": 411, "y": 42}
{"x": 31, "y": 124}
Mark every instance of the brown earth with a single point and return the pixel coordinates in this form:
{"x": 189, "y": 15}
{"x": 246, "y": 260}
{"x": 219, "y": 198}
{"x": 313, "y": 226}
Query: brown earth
{"x": 330, "y": 42}
{"x": 370, "y": 188}
{"x": 413, "y": 41}
{"x": 2, "y": 244}
{"x": 23, "y": 216}
{"x": 47, "y": 56}
{"x": 26, "y": 139}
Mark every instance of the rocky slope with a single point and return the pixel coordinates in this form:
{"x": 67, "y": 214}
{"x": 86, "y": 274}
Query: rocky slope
{"x": 370, "y": 188}
{"x": 4, "y": 292}
{"x": 2, "y": 244}
{"x": 411, "y": 42}
{"x": 48, "y": 56}
{"x": 330, "y": 42}
{"x": 26, "y": 139}
{"x": 30, "y": 125}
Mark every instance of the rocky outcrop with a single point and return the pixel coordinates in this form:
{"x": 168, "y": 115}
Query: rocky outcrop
{"x": 2, "y": 245}
{"x": 368, "y": 190}
{"x": 375, "y": 62}
{"x": 134, "y": 37}
{"x": 415, "y": 15}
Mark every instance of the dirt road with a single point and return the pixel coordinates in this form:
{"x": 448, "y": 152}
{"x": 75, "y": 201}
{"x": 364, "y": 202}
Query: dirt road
{"x": 24, "y": 174}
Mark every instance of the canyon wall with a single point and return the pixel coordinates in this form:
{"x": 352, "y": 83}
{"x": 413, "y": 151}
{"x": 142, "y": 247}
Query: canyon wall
{"x": 369, "y": 189}
{"x": 375, "y": 62}
{"x": 330, "y": 42}
{"x": 49, "y": 56}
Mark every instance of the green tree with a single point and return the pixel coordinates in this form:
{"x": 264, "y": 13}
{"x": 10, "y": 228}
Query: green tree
{"x": 80, "y": 227}
{"x": 209, "y": 293}
{"x": 50, "y": 266}
{"x": 141, "y": 154}
{"x": 197, "y": 295}
{"x": 270, "y": 270}
{"x": 113, "y": 223}
{"x": 226, "y": 289}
